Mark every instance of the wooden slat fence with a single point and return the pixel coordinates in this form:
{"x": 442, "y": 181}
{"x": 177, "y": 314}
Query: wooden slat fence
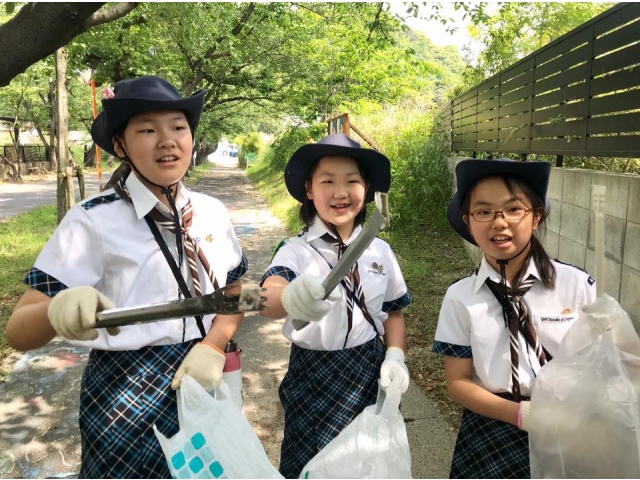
{"x": 579, "y": 95}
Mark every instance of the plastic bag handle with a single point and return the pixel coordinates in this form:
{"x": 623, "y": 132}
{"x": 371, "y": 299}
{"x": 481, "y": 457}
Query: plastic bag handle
{"x": 191, "y": 395}
{"x": 388, "y": 402}
{"x": 223, "y": 389}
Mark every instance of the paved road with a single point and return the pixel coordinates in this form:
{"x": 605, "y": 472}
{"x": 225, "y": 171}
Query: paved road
{"x": 17, "y": 198}
{"x": 39, "y": 435}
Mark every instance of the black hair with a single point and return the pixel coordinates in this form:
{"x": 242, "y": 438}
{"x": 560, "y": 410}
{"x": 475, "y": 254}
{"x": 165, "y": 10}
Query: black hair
{"x": 121, "y": 173}
{"x": 308, "y": 210}
{"x": 537, "y": 253}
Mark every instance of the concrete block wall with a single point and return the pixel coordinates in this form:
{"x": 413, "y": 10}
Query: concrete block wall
{"x": 569, "y": 235}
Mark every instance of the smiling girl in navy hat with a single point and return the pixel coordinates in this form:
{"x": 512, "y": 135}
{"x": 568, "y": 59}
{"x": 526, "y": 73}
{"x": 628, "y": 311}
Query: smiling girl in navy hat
{"x": 107, "y": 252}
{"x": 502, "y": 323}
{"x": 338, "y": 359}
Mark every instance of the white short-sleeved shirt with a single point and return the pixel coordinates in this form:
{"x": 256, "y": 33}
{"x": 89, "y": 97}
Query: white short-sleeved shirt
{"x": 471, "y": 323}
{"x": 380, "y": 276}
{"x": 104, "y": 242}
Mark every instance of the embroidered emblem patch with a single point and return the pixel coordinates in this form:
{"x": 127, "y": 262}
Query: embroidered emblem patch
{"x": 566, "y": 311}
{"x": 209, "y": 238}
{"x": 377, "y": 267}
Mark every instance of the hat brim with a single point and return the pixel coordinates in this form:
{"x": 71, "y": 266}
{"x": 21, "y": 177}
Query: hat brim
{"x": 470, "y": 171}
{"x": 376, "y": 165}
{"x": 117, "y": 111}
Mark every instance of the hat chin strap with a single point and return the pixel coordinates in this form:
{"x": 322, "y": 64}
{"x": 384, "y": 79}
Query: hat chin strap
{"x": 503, "y": 267}
{"x": 167, "y": 191}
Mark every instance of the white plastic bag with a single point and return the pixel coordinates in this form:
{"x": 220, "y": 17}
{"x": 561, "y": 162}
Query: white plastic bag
{"x": 373, "y": 445}
{"x": 584, "y": 416}
{"x": 215, "y": 440}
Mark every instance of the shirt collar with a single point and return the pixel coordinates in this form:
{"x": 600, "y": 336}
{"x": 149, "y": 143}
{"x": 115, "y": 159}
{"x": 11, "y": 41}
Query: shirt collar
{"x": 144, "y": 200}
{"x": 485, "y": 270}
{"x": 318, "y": 228}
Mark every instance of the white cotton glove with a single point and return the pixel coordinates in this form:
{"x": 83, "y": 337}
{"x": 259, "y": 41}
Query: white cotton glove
{"x": 72, "y": 313}
{"x": 204, "y": 363}
{"x": 523, "y": 415}
{"x": 303, "y": 298}
{"x": 394, "y": 368}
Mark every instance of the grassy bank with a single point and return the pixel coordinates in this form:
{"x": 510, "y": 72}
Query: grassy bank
{"x": 21, "y": 239}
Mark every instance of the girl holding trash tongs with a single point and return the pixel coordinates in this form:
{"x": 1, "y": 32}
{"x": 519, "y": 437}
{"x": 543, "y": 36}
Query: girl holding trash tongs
{"x": 145, "y": 241}
{"x": 338, "y": 359}
{"x": 502, "y": 323}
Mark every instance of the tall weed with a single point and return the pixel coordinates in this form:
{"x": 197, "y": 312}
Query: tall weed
{"x": 412, "y": 138}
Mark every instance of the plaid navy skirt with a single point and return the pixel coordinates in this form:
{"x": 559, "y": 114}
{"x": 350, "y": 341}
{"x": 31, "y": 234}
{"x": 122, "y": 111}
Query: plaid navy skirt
{"x": 123, "y": 394}
{"x": 322, "y": 392}
{"x": 488, "y": 448}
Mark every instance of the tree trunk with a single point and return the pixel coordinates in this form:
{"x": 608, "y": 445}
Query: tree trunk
{"x": 27, "y": 106}
{"x": 66, "y": 196}
{"x": 90, "y": 156}
{"x": 15, "y": 138}
{"x": 202, "y": 150}
{"x": 16, "y": 172}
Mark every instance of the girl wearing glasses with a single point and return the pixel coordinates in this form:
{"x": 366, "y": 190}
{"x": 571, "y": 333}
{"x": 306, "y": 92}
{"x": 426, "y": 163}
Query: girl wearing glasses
{"x": 502, "y": 323}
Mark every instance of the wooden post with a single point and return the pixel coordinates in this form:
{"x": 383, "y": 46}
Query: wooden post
{"x": 80, "y": 174}
{"x": 66, "y": 196}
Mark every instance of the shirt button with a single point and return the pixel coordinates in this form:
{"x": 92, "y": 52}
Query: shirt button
{"x": 179, "y": 326}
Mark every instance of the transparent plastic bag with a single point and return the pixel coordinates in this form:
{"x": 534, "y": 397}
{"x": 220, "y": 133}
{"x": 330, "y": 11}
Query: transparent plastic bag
{"x": 373, "y": 445}
{"x": 584, "y": 418}
{"x": 215, "y": 440}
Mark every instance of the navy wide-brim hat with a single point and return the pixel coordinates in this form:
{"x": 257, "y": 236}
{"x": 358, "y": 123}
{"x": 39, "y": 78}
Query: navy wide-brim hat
{"x": 376, "y": 165}
{"x": 134, "y": 96}
{"x": 471, "y": 171}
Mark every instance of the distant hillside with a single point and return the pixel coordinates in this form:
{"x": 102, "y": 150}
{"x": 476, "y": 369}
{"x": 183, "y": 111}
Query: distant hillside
{"x": 446, "y": 61}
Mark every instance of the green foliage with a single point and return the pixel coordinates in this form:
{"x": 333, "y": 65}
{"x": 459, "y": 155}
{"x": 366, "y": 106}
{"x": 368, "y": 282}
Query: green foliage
{"x": 267, "y": 172}
{"x": 260, "y": 60}
{"x": 281, "y": 149}
{"x": 410, "y": 137}
{"x": 250, "y": 142}
{"x": 520, "y": 28}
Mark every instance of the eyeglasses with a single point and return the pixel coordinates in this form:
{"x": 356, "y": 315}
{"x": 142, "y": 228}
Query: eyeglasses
{"x": 511, "y": 214}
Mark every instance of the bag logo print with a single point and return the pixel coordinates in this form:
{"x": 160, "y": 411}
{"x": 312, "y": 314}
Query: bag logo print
{"x": 196, "y": 456}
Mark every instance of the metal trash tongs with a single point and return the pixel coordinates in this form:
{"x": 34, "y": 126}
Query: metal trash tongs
{"x": 377, "y": 221}
{"x": 226, "y": 300}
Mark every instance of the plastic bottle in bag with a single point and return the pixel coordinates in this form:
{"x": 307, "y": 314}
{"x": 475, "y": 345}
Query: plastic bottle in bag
{"x": 232, "y": 372}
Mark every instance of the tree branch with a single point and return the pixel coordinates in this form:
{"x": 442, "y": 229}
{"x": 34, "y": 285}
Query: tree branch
{"x": 106, "y": 15}
{"x": 376, "y": 21}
